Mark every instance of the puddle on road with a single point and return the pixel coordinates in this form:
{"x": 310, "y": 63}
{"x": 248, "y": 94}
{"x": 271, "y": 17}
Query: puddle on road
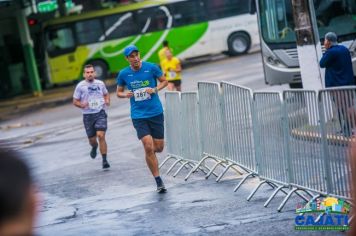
{"x": 22, "y": 141}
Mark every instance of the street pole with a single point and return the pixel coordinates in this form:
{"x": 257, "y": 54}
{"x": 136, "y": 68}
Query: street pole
{"x": 27, "y": 47}
{"x": 308, "y": 44}
{"x": 309, "y": 50}
{"x": 62, "y": 7}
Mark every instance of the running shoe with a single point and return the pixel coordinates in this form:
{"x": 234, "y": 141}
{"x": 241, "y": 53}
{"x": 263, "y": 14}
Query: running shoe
{"x": 161, "y": 189}
{"x": 93, "y": 152}
{"x": 106, "y": 164}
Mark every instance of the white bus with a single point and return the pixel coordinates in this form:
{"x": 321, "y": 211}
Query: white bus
{"x": 278, "y": 41}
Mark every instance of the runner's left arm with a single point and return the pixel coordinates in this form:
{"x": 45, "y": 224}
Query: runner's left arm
{"x": 162, "y": 84}
{"x": 107, "y": 99}
{"x": 178, "y": 66}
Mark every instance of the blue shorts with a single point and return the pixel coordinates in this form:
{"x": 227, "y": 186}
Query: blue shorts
{"x": 153, "y": 126}
{"x": 95, "y": 122}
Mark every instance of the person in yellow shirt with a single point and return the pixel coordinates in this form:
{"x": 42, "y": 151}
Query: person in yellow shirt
{"x": 172, "y": 69}
{"x": 162, "y": 52}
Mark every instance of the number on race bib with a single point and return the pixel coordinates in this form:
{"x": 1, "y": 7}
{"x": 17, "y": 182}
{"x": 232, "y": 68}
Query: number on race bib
{"x": 95, "y": 103}
{"x": 141, "y": 94}
{"x": 172, "y": 74}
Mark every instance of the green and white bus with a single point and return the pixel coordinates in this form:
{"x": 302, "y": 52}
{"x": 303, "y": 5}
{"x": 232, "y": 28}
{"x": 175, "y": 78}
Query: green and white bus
{"x": 193, "y": 28}
{"x": 278, "y": 40}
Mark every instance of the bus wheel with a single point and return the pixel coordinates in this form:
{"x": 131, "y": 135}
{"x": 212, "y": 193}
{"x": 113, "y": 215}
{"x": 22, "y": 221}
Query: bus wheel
{"x": 101, "y": 70}
{"x": 238, "y": 43}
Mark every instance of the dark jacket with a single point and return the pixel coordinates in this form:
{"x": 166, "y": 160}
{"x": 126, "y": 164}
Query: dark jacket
{"x": 338, "y": 64}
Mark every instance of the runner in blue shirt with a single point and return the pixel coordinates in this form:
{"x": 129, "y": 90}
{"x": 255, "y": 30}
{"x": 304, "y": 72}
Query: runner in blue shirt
{"x": 140, "y": 78}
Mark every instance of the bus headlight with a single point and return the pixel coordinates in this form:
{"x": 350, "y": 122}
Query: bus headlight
{"x": 274, "y": 61}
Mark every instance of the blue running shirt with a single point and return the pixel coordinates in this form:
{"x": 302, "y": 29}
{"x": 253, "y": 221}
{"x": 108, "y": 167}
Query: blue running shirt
{"x": 143, "y": 105}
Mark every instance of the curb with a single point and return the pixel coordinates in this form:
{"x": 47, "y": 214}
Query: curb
{"x": 9, "y": 112}
{"x": 316, "y": 137}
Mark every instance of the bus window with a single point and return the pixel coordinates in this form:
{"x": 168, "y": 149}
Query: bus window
{"x": 118, "y": 26}
{"x": 189, "y": 12}
{"x": 277, "y": 23}
{"x": 159, "y": 20}
{"x": 88, "y": 31}
{"x": 151, "y": 19}
{"x": 59, "y": 41}
{"x": 337, "y": 16}
{"x": 225, "y": 8}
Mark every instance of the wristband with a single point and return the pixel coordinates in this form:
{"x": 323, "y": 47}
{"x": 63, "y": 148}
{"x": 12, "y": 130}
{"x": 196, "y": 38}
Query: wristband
{"x": 156, "y": 90}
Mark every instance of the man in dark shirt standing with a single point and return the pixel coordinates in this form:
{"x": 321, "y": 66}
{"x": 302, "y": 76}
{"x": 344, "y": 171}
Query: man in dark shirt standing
{"x": 338, "y": 72}
{"x": 338, "y": 64}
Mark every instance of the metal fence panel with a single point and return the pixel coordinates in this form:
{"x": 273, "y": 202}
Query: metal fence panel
{"x": 308, "y": 164}
{"x": 190, "y": 128}
{"x": 172, "y": 120}
{"x": 270, "y": 135}
{"x": 211, "y": 119}
{"x": 338, "y": 136}
{"x": 238, "y": 123}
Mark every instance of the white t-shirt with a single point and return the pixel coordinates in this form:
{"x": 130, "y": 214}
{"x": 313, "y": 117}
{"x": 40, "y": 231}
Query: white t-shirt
{"x": 91, "y": 93}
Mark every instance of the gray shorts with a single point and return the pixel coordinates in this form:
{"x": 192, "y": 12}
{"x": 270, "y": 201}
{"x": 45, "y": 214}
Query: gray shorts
{"x": 95, "y": 122}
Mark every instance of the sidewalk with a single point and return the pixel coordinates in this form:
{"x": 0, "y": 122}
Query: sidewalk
{"x": 23, "y": 104}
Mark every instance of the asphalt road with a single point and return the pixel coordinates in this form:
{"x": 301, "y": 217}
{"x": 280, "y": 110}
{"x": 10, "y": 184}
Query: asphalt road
{"x": 79, "y": 198}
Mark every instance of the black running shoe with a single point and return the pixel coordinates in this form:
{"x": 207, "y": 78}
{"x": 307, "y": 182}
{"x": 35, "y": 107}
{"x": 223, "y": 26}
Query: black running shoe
{"x": 161, "y": 189}
{"x": 93, "y": 152}
{"x": 106, "y": 164}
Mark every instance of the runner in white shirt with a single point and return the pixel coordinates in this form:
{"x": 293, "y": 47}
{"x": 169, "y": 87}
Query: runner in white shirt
{"x": 92, "y": 97}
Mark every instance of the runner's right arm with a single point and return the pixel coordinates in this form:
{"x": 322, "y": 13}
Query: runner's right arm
{"x": 120, "y": 92}
{"x": 79, "y": 104}
{"x": 76, "y": 98}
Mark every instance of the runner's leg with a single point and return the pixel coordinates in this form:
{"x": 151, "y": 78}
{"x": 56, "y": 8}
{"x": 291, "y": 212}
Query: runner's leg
{"x": 91, "y": 133}
{"x": 170, "y": 86}
{"x": 103, "y": 147}
{"x": 93, "y": 142}
{"x": 150, "y": 155}
{"x": 158, "y": 145}
{"x": 102, "y": 142}
{"x": 101, "y": 127}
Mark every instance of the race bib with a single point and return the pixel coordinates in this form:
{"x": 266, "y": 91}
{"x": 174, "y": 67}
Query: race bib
{"x": 95, "y": 103}
{"x": 141, "y": 94}
{"x": 172, "y": 74}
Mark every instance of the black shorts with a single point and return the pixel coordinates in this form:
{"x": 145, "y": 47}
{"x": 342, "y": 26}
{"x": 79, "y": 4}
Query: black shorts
{"x": 175, "y": 82}
{"x": 95, "y": 122}
{"x": 153, "y": 126}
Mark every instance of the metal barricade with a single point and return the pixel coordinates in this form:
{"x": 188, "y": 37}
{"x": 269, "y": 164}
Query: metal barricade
{"x": 182, "y": 129}
{"x": 172, "y": 133}
{"x": 271, "y": 142}
{"x": 237, "y": 102}
{"x": 338, "y": 136}
{"x": 190, "y": 127}
{"x": 212, "y": 126}
{"x": 308, "y": 166}
{"x": 190, "y": 130}
{"x": 298, "y": 139}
